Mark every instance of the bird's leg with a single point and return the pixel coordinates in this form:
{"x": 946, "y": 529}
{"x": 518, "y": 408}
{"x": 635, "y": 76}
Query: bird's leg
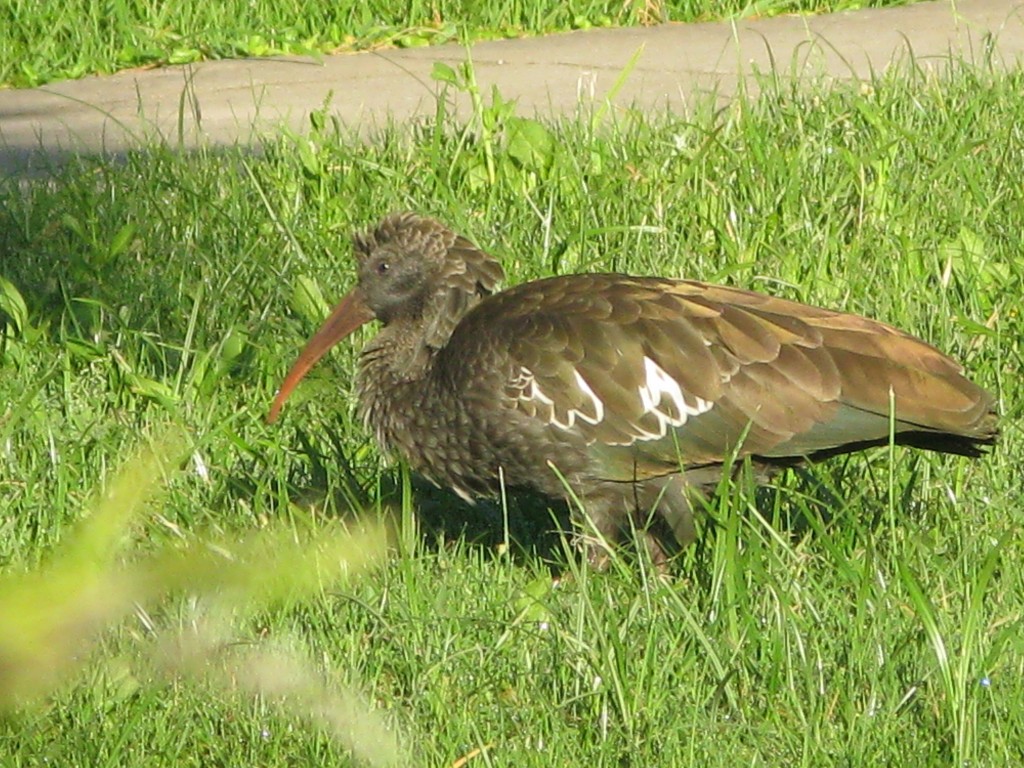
{"x": 597, "y": 531}
{"x": 663, "y": 519}
{"x": 657, "y": 514}
{"x": 600, "y": 521}
{"x": 660, "y": 548}
{"x": 675, "y": 506}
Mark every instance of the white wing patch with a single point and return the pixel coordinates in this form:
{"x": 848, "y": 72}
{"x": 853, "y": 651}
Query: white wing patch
{"x": 660, "y": 390}
{"x": 660, "y": 395}
{"x": 595, "y": 401}
{"x": 527, "y": 384}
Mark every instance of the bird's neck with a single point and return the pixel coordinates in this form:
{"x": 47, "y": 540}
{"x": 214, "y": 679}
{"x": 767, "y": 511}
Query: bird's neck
{"x": 398, "y": 369}
{"x": 394, "y": 382}
{"x": 405, "y": 349}
{"x": 398, "y": 354}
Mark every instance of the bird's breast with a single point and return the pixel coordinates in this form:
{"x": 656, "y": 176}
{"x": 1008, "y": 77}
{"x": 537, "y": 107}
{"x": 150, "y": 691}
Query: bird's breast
{"x": 465, "y": 433}
{"x": 432, "y": 429}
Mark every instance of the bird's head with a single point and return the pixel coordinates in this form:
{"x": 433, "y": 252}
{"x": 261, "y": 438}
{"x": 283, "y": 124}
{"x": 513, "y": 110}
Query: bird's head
{"x": 413, "y": 271}
{"x": 409, "y": 264}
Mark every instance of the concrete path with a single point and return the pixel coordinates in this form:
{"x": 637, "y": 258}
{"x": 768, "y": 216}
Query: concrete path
{"x": 224, "y": 102}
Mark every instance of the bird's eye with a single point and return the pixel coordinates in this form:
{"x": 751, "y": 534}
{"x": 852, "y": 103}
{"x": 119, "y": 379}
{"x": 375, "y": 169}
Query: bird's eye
{"x": 383, "y": 267}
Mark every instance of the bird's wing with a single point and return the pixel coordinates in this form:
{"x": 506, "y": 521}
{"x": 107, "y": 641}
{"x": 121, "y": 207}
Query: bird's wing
{"x": 685, "y": 370}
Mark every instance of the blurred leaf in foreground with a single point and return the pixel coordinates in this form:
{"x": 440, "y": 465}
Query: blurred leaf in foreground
{"x": 51, "y": 617}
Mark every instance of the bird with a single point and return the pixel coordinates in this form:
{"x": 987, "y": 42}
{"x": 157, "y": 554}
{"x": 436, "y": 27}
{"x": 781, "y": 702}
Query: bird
{"x": 627, "y": 396}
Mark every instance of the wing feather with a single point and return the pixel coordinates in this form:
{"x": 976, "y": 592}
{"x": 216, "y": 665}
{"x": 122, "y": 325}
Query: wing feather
{"x": 672, "y": 369}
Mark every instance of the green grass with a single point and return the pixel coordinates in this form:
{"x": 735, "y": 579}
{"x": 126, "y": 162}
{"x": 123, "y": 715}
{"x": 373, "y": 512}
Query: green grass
{"x": 44, "y": 40}
{"x": 867, "y": 611}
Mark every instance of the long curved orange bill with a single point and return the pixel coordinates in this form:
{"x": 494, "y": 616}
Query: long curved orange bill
{"x": 350, "y": 313}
